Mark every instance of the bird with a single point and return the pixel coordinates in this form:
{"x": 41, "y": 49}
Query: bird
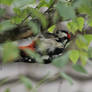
{"x": 48, "y": 46}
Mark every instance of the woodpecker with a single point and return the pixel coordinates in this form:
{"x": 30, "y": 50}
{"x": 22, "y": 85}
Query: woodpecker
{"x": 48, "y": 47}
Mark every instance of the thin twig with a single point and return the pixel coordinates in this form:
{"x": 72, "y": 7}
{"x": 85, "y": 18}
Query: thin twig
{"x": 24, "y": 19}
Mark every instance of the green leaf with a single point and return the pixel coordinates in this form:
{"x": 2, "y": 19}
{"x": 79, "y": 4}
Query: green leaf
{"x": 22, "y": 3}
{"x": 51, "y": 29}
{"x": 74, "y": 56}
{"x": 21, "y": 14}
{"x": 27, "y": 82}
{"x": 83, "y": 57}
{"x": 7, "y": 90}
{"x": 17, "y": 11}
{"x": 3, "y": 81}
{"x": 56, "y": 17}
{"x": 65, "y": 11}
{"x": 10, "y": 52}
{"x": 43, "y": 3}
{"x": 67, "y": 77}
{"x": 51, "y": 2}
{"x": 35, "y": 27}
{"x": 90, "y": 52}
{"x": 38, "y": 15}
{"x": 88, "y": 37}
{"x": 89, "y": 22}
{"x": 34, "y": 55}
{"x": 2, "y": 12}
{"x": 76, "y": 24}
{"x": 72, "y": 26}
{"x": 16, "y": 19}
{"x": 80, "y": 23}
{"x": 81, "y": 42}
{"x": 79, "y": 68}
{"x": 86, "y": 7}
{"x": 42, "y": 81}
{"x": 6, "y": 2}
{"x": 6, "y": 25}
{"x": 61, "y": 61}
{"x": 77, "y": 3}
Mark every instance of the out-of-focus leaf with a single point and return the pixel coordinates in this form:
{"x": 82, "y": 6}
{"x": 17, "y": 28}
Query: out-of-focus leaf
{"x": 79, "y": 68}
{"x": 65, "y": 11}
{"x": 7, "y": 90}
{"x": 76, "y": 24}
{"x": 82, "y": 43}
{"x": 6, "y": 2}
{"x": 51, "y": 29}
{"x": 74, "y": 56}
{"x": 67, "y": 77}
{"x": 90, "y": 52}
{"x": 86, "y": 7}
{"x": 16, "y": 19}
{"x": 35, "y": 27}
{"x": 89, "y": 22}
{"x": 61, "y": 61}
{"x": 83, "y": 57}
{"x": 6, "y": 25}
{"x": 22, "y": 3}
{"x": 72, "y": 26}
{"x": 43, "y": 3}
{"x": 77, "y": 3}
{"x": 2, "y": 12}
{"x": 80, "y": 23}
{"x": 56, "y": 17}
{"x": 51, "y": 2}
{"x": 45, "y": 78}
{"x": 10, "y": 52}
{"x": 88, "y": 37}
{"x": 38, "y": 15}
{"x": 21, "y": 14}
{"x": 17, "y": 11}
{"x": 27, "y": 82}
{"x": 34, "y": 55}
{"x": 3, "y": 81}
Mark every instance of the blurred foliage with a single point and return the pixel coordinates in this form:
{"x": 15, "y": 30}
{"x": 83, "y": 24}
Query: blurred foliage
{"x": 27, "y": 82}
{"x": 76, "y": 24}
{"x": 6, "y": 2}
{"x": 35, "y": 27}
{"x": 45, "y": 3}
{"x": 34, "y": 55}
{"x": 3, "y": 81}
{"x": 67, "y": 77}
{"x": 61, "y": 61}
{"x": 2, "y": 12}
{"x": 74, "y": 56}
{"x": 79, "y": 68}
{"x": 7, "y": 90}
{"x": 66, "y": 10}
{"x": 10, "y": 52}
{"x": 90, "y": 52}
{"x": 6, "y": 25}
{"x": 51, "y": 29}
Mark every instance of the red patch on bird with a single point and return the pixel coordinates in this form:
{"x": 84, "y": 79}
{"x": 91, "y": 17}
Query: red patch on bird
{"x": 68, "y": 36}
{"x": 30, "y": 46}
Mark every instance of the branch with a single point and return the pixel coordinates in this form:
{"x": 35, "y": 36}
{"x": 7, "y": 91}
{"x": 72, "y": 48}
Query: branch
{"x": 56, "y": 77}
{"x": 16, "y": 34}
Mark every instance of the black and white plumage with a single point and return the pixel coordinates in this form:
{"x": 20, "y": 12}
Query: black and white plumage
{"x": 48, "y": 47}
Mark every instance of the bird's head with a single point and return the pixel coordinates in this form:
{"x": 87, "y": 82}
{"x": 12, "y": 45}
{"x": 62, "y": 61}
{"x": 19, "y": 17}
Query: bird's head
{"x": 63, "y": 36}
